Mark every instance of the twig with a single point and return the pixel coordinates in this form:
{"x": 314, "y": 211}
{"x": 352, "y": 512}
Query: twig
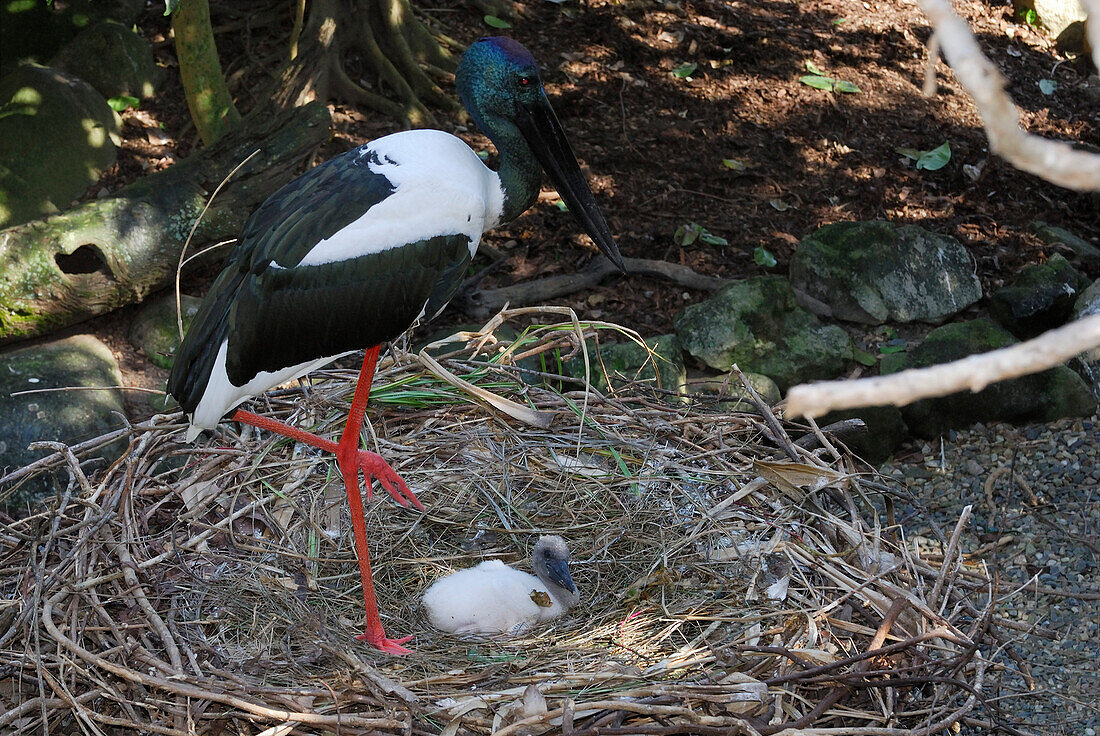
{"x": 972, "y": 373}
{"x": 949, "y": 556}
{"x": 1054, "y": 161}
{"x": 191, "y": 234}
{"x": 198, "y": 693}
{"x": 779, "y": 435}
{"x": 554, "y": 287}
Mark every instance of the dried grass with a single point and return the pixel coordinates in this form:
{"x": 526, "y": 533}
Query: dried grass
{"x": 212, "y": 589}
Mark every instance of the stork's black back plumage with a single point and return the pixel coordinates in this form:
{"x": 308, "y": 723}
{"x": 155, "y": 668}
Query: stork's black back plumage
{"x": 296, "y": 308}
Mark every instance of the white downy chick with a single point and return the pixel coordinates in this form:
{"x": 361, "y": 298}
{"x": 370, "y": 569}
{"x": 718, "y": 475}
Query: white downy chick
{"x": 493, "y": 598}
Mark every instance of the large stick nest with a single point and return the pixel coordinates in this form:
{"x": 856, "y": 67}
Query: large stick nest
{"x": 732, "y": 582}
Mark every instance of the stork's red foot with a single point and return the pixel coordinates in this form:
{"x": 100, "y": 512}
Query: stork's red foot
{"x": 375, "y": 468}
{"x": 384, "y": 644}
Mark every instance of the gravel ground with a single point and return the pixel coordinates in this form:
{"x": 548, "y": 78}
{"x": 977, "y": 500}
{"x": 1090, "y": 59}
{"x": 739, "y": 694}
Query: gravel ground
{"x": 1036, "y": 496}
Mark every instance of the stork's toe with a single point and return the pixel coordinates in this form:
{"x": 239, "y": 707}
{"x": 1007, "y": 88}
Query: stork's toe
{"x": 374, "y": 467}
{"x": 387, "y": 645}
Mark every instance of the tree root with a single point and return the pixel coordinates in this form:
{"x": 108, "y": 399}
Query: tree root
{"x": 397, "y": 48}
{"x": 484, "y": 303}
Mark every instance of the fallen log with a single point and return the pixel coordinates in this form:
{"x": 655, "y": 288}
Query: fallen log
{"x": 109, "y": 252}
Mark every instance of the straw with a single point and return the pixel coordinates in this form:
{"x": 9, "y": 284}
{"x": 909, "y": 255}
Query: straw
{"x": 727, "y": 588}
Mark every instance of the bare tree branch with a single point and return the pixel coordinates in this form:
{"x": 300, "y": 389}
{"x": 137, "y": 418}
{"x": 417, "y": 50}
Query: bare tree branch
{"x": 974, "y": 372}
{"x": 1055, "y": 161}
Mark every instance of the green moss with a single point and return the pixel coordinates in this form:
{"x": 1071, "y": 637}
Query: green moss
{"x": 959, "y": 340}
{"x": 758, "y": 325}
{"x": 1045, "y": 396}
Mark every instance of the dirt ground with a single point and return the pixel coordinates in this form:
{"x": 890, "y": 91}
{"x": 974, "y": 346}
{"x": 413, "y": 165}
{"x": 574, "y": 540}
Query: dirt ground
{"x": 740, "y": 146}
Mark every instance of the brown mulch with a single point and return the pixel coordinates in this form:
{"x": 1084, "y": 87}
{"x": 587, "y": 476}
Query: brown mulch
{"x": 654, "y": 144}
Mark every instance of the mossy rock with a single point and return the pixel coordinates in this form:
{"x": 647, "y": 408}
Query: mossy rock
{"x": 1045, "y": 397}
{"x": 757, "y": 324}
{"x": 62, "y": 416}
{"x": 35, "y": 29}
{"x": 626, "y": 365}
{"x": 1087, "y": 364}
{"x": 113, "y": 59}
{"x": 726, "y": 394}
{"x": 155, "y": 331}
{"x": 875, "y": 272}
{"x": 1039, "y": 299}
{"x": 1088, "y": 253}
{"x": 57, "y": 135}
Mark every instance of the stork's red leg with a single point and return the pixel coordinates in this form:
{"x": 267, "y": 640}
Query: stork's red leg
{"x": 351, "y": 460}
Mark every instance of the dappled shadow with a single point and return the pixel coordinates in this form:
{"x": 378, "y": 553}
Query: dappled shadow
{"x": 654, "y": 144}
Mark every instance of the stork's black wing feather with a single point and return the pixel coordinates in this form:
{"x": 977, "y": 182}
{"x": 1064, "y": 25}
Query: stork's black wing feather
{"x": 312, "y": 208}
{"x": 286, "y": 315}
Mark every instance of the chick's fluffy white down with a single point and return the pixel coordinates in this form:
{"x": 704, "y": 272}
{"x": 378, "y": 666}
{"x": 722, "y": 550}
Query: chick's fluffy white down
{"x": 490, "y": 598}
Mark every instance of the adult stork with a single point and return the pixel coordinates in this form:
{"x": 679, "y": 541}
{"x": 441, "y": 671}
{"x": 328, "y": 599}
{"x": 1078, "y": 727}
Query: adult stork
{"x": 353, "y": 252}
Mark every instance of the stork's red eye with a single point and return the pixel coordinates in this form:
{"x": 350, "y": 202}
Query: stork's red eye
{"x": 524, "y": 81}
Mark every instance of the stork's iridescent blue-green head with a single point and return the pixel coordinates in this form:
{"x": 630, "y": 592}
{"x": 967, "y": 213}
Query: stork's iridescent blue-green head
{"x": 498, "y": 82}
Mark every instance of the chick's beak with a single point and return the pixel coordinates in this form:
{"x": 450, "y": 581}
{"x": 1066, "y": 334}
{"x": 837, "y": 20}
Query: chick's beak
{"x": 559, "y": 574}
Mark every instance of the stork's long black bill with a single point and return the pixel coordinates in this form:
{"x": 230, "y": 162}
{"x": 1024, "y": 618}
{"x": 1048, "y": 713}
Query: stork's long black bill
{"x": 545, "y": 136}
{"x": 559, "y": 574}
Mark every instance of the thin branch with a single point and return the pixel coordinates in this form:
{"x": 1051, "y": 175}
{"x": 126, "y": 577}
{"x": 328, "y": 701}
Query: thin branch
{"x": 974, "y": 372}
{"x": 1054, "y": 161}
{"x": 553, "y": 287}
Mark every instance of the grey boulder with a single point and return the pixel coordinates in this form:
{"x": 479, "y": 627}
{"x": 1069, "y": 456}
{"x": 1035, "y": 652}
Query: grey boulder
{"x": 658, "y": 364}
{"x": 57, "y": 135}
{"x": 757, "y": 324}
{"x": 155, "y": 331}
{"x": 113, "y": 59}
{"x": 71, "y": 417}
{"x": 874, "y": 272}
{"x": 1040, "y": 298}
{"x": 1086, "y": 252}
{"x": 1087, "y": 364}
{"x": 1052, "y": 394}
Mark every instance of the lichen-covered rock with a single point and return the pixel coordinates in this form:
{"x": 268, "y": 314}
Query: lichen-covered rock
{"x": 1044, "y": 397}
{"x": 757, "y": 324}
{"x": 155, "y": 331}
{"x": 874, "y": 272}
{"x": 1088, "y": 301}
{"x": 1088, "y": 253}
{"x": 35, "y": 29}
{"x": 57, "y": 135}
{"x": 1040, "y": 298}
{"x": 65, "y": 416}
{"x": 616, "y": 366}
{"x": 113, "y": 59}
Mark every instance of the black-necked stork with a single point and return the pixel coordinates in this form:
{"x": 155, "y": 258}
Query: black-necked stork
{"x": 353, "y": 252}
